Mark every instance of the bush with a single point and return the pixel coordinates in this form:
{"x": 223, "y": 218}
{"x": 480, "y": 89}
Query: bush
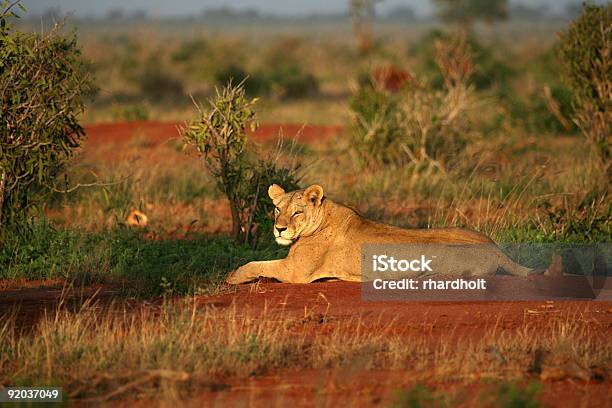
{"x": 585, "y": 52}
{"x": 545, "y": 69}
{"x": 511, "y": 395}
{"x": 549, "y": 110}
{"x": 418, "y": 124}
{"x": 42, "y": 86}
{"x": 377, "y": 129}
{"x": 502, "y": 394}
{"x": 257, "y": 84}
{"x": 130, "y": 113}
{"x": 291, "y": 82}
{"x": 285, "y": 81}
{"x": 159, "y": 86}
{"x": 419, "y": 396}
{"x": 259, "y": 175}
{"x": 282, "y": 76}
{"x": 220, "y": 137}
{"x": 190, "y": 50}
{"x": 488, "y": 69}
{"x": 584, "y": 220}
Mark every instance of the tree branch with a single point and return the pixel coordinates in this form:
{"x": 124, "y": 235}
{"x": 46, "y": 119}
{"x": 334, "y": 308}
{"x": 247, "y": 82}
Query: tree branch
{"x": 81, "y": 185}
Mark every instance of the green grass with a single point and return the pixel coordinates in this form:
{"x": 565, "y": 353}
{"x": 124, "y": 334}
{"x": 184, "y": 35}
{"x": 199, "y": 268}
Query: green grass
{"x": 139, "y": 265}
{"x": 499, "y": 394}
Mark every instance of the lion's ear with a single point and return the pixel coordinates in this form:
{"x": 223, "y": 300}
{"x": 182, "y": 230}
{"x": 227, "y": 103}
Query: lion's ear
{"x": 314, "y": 194}
{"x": 275, "y": 192}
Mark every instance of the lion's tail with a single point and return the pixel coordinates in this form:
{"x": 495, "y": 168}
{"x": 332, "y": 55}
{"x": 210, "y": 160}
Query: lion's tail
{"x": 513, "y": 268}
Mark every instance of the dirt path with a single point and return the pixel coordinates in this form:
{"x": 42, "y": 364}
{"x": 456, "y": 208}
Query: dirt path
{"x": 340, "y": 301}
{"x": 30, "y": 301}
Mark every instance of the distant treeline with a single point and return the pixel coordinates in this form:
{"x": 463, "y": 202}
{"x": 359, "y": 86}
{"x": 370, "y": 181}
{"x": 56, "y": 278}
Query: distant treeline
{"x": 224, "y": 15}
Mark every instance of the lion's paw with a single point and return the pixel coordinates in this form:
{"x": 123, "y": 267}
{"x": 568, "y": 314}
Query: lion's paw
{"x": 240, "y": 275}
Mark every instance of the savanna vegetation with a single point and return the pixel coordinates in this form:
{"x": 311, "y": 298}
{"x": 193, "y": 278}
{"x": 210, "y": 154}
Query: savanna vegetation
{"x": 443, "y": 125}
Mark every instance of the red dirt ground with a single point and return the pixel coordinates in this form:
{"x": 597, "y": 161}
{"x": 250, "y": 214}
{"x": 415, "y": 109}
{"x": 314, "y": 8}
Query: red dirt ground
{"x": 340, "y": 301}
{"x": 159, "y": 132}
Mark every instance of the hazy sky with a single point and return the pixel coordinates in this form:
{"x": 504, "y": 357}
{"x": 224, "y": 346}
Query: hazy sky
{"x": 185, "y": 7}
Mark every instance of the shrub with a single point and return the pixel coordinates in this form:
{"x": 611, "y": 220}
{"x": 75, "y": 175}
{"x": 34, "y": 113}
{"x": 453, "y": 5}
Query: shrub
{"x": 130, "y": 113}
{"x": 546, "y": 70}
{"x": 552, "y": 111}
{"x": 259, "y": 175}
{"x": 585, "y": 52}
{"x": 511, "y": 395}
{"x": 190, "y": 50}
{"x": 285, "y": 72}
{"x": 488, "y": 69}
{"x": 285, "y": 81}
{"x": 159, "y": 86}
{"x": 377, "y": 129}
{"x": 127, "y": 56}
{"x": 419, "y": 124}
{"x": 419, "y": 396}
{"x": 389, "y": 78}
{"x": 586, "y": 219}
{"x": 548, "y": 110}
{"x": 256, "y": 85}
{"x": 291, "y": 82}
{"x": 42, "y": 86}
{"x": 220, "y": 137}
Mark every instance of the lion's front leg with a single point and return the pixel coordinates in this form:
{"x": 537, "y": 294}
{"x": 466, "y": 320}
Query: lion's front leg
{"x": 265, "y": 269}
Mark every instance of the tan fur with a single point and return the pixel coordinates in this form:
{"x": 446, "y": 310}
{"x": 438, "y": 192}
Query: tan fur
{"x": 326, "y": 239}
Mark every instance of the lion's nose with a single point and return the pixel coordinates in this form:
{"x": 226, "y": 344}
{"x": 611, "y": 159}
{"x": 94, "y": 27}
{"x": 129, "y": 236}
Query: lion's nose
{"x": 280, "y": 229}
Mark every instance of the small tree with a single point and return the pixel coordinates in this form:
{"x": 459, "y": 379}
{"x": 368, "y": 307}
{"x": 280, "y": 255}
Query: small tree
{"x": 585, "y": 53}
{"x": 220, "y": 137}
{"x": 42, "y": 86}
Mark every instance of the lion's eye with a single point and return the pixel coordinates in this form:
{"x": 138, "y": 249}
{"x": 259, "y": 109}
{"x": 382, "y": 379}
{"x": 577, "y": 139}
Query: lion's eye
{"x": 297, "y": 213}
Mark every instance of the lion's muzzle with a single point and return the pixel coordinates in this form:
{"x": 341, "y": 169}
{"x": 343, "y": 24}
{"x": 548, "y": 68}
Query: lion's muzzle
{"x": 280, "y": 239}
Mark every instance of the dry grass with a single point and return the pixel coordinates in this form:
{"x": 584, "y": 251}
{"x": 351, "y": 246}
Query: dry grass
{"x": 509, "y": 182}
{"x": 172, "y": 188}
{"x": 497, "y": 192}
{"x": 499, "y": 187}
{"x": 106, "y": 354}
{"x": 508, "y": 189}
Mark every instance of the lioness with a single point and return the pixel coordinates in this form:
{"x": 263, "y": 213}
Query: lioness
{"x": 327, "y": 239}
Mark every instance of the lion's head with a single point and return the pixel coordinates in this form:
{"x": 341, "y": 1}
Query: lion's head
{"x": 297, "y": 213}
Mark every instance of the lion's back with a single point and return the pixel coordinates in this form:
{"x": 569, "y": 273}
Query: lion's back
{"x": 363, "y": 230}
